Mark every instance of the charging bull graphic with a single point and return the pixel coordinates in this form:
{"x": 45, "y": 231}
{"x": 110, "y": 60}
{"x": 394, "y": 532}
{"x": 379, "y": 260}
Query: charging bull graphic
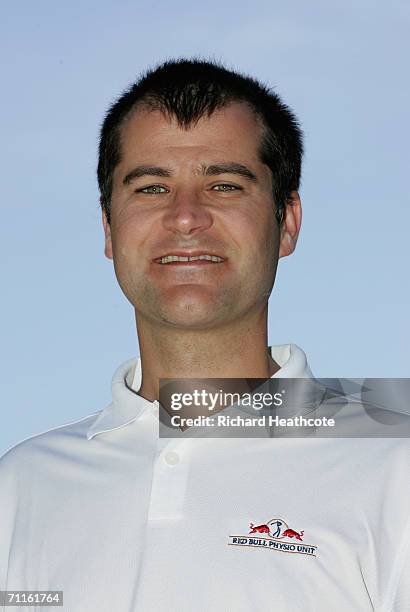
{"x": 259, "y": 529}
{"x": 290, "y": 533}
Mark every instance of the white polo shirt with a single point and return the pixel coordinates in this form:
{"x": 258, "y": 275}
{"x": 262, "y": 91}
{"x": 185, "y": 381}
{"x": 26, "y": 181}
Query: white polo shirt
{"x": 122, "y": 521}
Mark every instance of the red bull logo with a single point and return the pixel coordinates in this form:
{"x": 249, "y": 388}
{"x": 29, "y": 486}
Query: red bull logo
{"x": 277, "y": 535}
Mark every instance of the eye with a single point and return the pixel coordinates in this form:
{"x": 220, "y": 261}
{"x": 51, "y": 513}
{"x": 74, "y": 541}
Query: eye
{"x": 152, "y": 190}
{"x": 225, "y": 187}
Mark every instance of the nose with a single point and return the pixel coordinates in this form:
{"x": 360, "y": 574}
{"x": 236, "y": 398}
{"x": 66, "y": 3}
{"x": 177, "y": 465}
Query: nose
{"x": 186, "y": 213}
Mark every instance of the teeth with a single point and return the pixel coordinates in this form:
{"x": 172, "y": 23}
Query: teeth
{"x": 170, "y": 258}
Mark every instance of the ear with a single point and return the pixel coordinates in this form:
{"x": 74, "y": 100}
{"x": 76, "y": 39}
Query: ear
{"x": 289, "y": 231}
{"x": 107, "y": 233}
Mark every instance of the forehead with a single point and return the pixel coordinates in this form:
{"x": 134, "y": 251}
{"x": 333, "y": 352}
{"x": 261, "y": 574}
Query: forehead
{"x": 233, "y": 129}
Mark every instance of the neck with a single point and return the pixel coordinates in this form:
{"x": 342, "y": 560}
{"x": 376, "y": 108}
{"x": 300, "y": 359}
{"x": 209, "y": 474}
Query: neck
{"x": 236, "y": 351}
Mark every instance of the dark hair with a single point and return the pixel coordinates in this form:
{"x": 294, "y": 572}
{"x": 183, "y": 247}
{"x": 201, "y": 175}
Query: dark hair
{"x": 188, "y": 89}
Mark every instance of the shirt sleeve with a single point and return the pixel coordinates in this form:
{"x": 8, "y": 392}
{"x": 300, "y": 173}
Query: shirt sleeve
{"x": 8, "y": 510}
{"x": 399, "y": 600}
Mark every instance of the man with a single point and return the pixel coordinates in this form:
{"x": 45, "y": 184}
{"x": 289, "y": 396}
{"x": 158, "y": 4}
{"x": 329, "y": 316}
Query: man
{"x": 200, "y": 162}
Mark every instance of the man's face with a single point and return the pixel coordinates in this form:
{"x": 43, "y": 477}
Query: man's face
{"x": 180, "y": 192}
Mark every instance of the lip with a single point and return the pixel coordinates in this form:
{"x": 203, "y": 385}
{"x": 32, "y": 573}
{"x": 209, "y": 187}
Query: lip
{"x": 189, "y": 254}
{"x": 190, "y": 264}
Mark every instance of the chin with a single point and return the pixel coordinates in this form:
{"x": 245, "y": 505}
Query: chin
{"x": 196, "y": 314}
{"x": 193, "y": 307}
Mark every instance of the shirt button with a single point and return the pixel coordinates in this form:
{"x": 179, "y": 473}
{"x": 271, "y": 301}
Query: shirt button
{"x": 172, "y": 458}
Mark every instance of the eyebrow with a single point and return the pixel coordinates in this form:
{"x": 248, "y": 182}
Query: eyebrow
{"x": 213, "y": 170}
{"x": 146, "y": 171}
{"x": 229, "y": 168}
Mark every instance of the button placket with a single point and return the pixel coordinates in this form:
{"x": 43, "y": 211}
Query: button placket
{"x": 169, "y": 479}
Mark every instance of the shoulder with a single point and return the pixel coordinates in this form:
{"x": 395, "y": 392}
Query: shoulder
{"x": 44, "y": 446}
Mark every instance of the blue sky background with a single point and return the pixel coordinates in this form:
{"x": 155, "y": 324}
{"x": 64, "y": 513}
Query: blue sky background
{"x": 343, "y": 296}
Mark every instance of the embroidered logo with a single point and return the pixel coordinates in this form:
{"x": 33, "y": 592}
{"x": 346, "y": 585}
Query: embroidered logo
{"x": 276, "y": 535}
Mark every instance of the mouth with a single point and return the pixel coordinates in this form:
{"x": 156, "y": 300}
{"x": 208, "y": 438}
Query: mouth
{"x": 201, "y": 259}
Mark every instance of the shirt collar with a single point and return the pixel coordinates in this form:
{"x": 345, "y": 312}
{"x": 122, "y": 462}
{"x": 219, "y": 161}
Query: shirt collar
{"x": 127, "y": 405}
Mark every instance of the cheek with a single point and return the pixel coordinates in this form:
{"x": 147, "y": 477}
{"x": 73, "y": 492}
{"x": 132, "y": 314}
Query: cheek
{"x": 266, "y": 254}
{"x": 259, "y": 237}
{"x": 128, "y": 237}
